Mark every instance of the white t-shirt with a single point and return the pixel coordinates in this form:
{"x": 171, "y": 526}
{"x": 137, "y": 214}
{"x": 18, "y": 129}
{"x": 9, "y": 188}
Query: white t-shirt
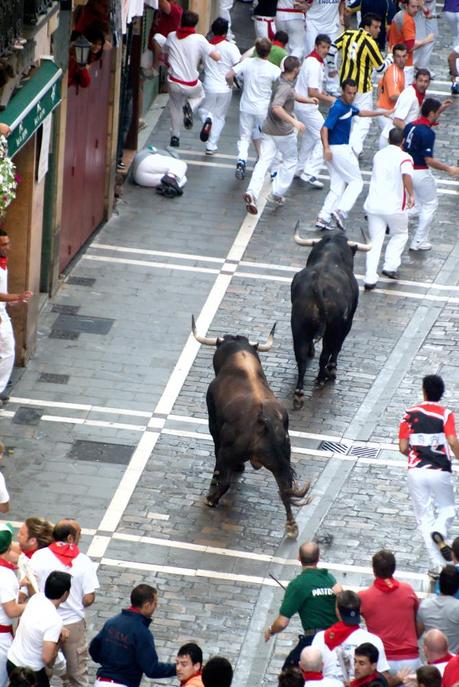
{"x": 214, "y": 72}
{"x": 84, "y": 581}
{"x": 4, "y": 496}
{"x": 3, "y": 289}
{"x": 387, "y": 194}
{"x": 323, "y": 15}
{"x": 259, "y": 76}
{"x": 407, "y": 106}
{"x": 40, "y": 623}
{"x": 324, "y": 682}
{"x": 332, "y": 659}
{"x": 311, "y": 76}
{"x": 9, "y": 590}
{"x": 185, "y": 55}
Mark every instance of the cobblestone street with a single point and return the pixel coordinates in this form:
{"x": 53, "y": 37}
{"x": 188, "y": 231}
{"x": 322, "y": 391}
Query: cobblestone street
{"x": 108, "y": 423}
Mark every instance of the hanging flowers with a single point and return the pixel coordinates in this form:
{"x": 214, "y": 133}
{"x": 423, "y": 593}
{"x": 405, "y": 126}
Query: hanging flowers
{"x": 8, "y": 178}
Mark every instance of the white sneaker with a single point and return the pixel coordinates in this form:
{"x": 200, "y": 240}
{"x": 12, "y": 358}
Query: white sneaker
{"x": 423, "y": 245}
{"x": 277, "y": 200}
{"x": 312, "y": 181}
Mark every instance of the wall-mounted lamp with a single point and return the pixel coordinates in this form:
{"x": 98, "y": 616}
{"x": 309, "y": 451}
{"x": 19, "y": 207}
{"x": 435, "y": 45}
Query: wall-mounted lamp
{"x": 82, "y": 47}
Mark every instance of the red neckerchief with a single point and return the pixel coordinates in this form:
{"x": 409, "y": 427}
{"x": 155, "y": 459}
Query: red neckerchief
{"x": 338, "y": 633}
{"x": 190, "y": 678}
{"x": 217, "y": 39}
{"x": 7, "y": 564}
{"x": 30, "y": 552}
{"x": 387, "y": 585}
{"x": 424, "y": 120}
{"x": 311, "y": 675}
{"x": 64, "y": 552}
{"x": 3, "y": 262}
{"x": 184, "y": 31}
{"x": 278, "y": 43}
{"x": 420, "y": 96}
{"x": 316, "y": 56}
{"x": 443, "y": 659}
{"x": 133, "y": 609}
{"x": 365, "y": 680}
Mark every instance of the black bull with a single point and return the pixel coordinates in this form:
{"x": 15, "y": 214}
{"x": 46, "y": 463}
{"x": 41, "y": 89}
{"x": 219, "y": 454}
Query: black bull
{"x": 324, "y": 299}
{"x": 247, "y": 422}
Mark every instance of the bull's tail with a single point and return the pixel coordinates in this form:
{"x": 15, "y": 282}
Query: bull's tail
{"x": 321, "y": 322}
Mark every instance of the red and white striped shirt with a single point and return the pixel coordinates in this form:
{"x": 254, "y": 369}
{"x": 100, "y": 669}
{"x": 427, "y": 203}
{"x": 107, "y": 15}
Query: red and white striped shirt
{"x": 426, "y": 426}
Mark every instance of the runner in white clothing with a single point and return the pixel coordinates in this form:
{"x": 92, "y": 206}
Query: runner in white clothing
{"x": 390, "y": 195}
{"x": 6, "y": 329}
{"x": 290, "y": 18}
{"x": 324, "y": 16}
{"x": 311, "y": 666}
{"x": 309, "y": 83}
{"x": 259, "y": 76}
{"x": 218, "y": 94}
{"x": 185, "y": 50}
{"x": 408, "y": 105}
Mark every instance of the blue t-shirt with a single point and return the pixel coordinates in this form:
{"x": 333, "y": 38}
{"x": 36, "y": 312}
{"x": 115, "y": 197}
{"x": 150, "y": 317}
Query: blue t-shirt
{"x": 338, "y": 122}
{"x": 419, "y": 142}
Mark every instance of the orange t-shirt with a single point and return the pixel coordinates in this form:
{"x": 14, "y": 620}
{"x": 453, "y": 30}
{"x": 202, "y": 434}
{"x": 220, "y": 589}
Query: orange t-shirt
{"x": 403, "y": 30}
{"x": 390, "y": 86}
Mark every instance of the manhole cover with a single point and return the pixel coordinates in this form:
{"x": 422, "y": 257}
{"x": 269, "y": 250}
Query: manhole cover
{"x": 65, "y": 309}
{"x": 51, "y": 378}
{"x": 81, "y": 281}
{"x": 334, "y": 446}
{"x": 27, "y": 416}
{"x": 101, "y": 452}
{"x": 83, "y": 324}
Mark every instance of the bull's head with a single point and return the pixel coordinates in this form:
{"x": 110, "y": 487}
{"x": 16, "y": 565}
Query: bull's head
{"x": 312, "y": 242}
{"x": 217, "y": 341}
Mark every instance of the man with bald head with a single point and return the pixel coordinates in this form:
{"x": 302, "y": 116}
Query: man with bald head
{"x": 312, "y": 595}
{"x": 311, "y": 665}
{"x": 436, "y": 649}
{"x": 64, "y": 554}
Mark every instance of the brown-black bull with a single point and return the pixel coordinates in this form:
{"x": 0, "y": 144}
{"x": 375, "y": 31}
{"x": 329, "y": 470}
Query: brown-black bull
{"x": 324, "y": 299}
{"x": 247, "y": 422}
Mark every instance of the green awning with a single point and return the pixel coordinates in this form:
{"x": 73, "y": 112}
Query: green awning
{"x": 32, "y": 103}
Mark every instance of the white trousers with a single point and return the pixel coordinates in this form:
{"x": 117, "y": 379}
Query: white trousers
{"x": 178, "y": 96}
{"x": 151, "y": 170}
{"x": 453, "y": 22}
{"x": 398, "y": 226}
{"x": 432, "y": 495}
{"x": 6, "y": 641}
{"x": 311, "y": 153}
{"x": 224, "y": 7}
{"x": 295, "y": 30}
{"x": 6, "y": 350}
{"x": 247, "y": 124}
{"x": 361, "y": 125}
{"x": 215, "y": 106}
{"x": 270, "y": 147}
{"x": 345, "y": 181}
{"x": 426, "y": 197}
{"x": 424, "y": 26}
{"x": 265, "y": 27}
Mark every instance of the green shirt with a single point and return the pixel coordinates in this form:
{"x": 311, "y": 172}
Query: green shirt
{"x": 276, "y": 55}
{"x": 311, "y": 595}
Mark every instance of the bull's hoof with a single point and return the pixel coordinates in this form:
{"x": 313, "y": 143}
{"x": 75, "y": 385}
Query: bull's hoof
{"x": 298, "y": 399}
{"x": 320, "y": 380}
{"x": 291, "y": 530}
{"x": 331, "y": 372}
{"x": 211, "y": 502}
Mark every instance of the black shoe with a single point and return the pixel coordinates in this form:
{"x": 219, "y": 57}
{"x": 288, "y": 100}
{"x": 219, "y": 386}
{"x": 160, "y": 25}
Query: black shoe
{"x": 206, "y": 129}
{"x": 369, "y": 287}
{"x": 175, "y": 142}
{"x": 240, "y": 170}
{"x": 445, "y": 549}
{"x": 391, "y": 274}
{"x": 187, "y": 116}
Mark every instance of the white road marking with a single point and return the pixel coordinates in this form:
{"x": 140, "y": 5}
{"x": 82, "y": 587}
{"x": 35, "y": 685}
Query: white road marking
{"x": 158, "y": 253}
{"x": 150, "y": 263}
{"x": 93, "y": 423}
{"x": 77, "y": 406}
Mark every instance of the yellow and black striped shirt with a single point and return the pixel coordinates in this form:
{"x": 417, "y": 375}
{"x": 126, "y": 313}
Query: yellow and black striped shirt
{"x": 359, "y": 56}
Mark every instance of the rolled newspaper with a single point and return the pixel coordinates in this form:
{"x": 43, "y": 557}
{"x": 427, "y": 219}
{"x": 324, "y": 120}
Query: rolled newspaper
{"x": 25, "y": 570}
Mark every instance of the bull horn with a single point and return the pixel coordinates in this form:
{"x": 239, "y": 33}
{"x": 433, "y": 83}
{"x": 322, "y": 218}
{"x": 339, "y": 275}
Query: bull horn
{"x": 305, "y": 242}
{"x": 263, "y": 347}
{"x": 206, "y": 341}
{"x": 360, "y": 246}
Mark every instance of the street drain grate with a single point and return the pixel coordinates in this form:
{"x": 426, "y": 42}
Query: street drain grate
{"x": 65, "y": 309}
{"x": 52, "y": 378}
{"x": 81, "y": 281}
{"x": 83, "y": 324}
{"x": 364, "y": 452}
{"x": 101, "y": 452}
{"x": 65, "y": 335}
{"x": 334, "y": 446}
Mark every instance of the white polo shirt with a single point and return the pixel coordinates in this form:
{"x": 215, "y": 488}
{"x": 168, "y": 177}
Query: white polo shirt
{"x": 311, "y": 76}
{"x": 214, "y": 72}
{"x": 386, "y": 195}
{"x": 185, "y": 55}
{"x": 84, "y": 581}
{"x": 323, "y": 16}
{"x": 345, "y": 653}
{"x": 40, "y": 623}
{"x": 259, "y": 76}
{"x": 4, "y": 496}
